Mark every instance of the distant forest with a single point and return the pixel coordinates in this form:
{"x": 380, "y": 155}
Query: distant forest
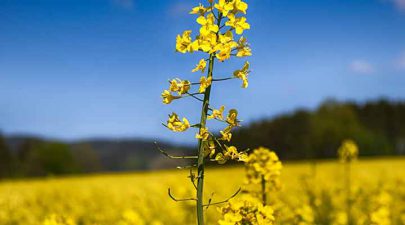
{"x": 377, "y": 126}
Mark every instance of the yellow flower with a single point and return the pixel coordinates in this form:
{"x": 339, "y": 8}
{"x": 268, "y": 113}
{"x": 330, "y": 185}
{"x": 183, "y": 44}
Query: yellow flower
{"x": 348, "y": 151}
{"x": 220, "y": 158}
{"x": 246, "y": 209}
{"x": 305, "y": 215}
{"x": 240, "y": 6}
{"x": 207, "y": 24}
{"x": 225, "y": 46}
{"x": 175, "y": 124}
{"x": 226, "y": 133}
{"x": 132, "y": 217}
{"x": 263, "y": 163}
{"x": 204, "y": 83}
{"x": 207, "y": 42}
{"x": 202, "y": 64}
{"x": 168, "y": 97}
{"x": 381, "y": 216}
{"x": 243, "y": 48}
{"x": 230, "y": 153}
{"x": 224, "y": 6}
{"x": 209, "y": 148}
{"x": 53, "y": 219}
{"x": 224, "y": 53}
{"x": 179, "y": 86}
{"x": 232, "y": 119}
{"x": 238, "y": 23}
{"x": 184, "y": 43}
{"x": 217, "y": 113}
{"x": 225, "y": 38}
{"x": 203, "y": 134}
{"x": 243, "y": 52}
{"x": 200, "y": 10}
{"x": 226, "y": 136}
{"x": 243, "y": 74}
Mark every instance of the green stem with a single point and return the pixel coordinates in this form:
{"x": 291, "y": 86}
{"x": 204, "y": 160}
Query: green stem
{"x": 200, "y": 161}
{"x": 264, "y": 195}
{"x": 201, "y": 143}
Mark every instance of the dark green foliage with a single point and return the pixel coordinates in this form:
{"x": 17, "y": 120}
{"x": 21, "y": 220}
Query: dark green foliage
{"x": 378, "y": 128}
{"x": 86, "y": 158}
{"x": 40, "y": 158}
{"x": 6, "y": 159}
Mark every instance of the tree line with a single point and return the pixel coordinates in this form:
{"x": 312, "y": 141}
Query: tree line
{"x": 378, "y": 127}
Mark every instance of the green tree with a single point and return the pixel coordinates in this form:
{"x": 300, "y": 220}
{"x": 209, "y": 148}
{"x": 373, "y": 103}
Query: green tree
{"x": 86, "y": 159}
{"x": 6, "y": 159}
{"x": 39, "y": 158}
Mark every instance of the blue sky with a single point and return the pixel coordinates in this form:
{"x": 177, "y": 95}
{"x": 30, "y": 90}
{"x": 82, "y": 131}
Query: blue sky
{"x": 75, "y": 69}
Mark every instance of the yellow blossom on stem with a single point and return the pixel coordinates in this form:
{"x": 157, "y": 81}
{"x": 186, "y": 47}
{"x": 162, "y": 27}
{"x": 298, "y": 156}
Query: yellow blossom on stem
{"x": 204, "y": 83}
{"x": 217, "y": 113}
{"x": 230, "y": 153}
{"x": 224, "y": 52}
{"x": 348, "y": 151}
{"x": 225, "y": 46}
{"x": 263, "y": 163}
{"x": 200, "y": 9}
{"x": 232, "y": 119}
{"x": 167, "y": 97}
{"x": 203, "y": 134}
{"x": 216, "y": 38}
{"x": 179, "y": 86}
{"x": 207, "y": 42}
{"x": 202, "y": 64}
{"x": 243, "y": 74}
{"x": 185, "y": 44}
{"x": 246, "y": 210}
{"x": 243, "y": 48}
{"x": 209, "y": 149}
{"x": 224, "y": 6}
{"x": 226, "y": 134}
{"x": 240, "y": 6}
{"x": 225, "y": 38}
{"x": 207, "y": 24}
{"x": 175, "y": 124}
{"x": 239, "y": 24}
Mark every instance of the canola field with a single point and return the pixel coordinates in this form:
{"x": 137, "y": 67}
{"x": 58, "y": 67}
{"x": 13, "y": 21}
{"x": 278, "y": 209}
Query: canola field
{"x": 309, "y": 194}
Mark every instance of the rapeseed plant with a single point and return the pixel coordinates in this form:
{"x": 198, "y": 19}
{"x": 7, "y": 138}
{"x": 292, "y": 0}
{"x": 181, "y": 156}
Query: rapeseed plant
{"x": 348, "y": 153}
{"x": 220, "y": 22}
{"x": 246, "y": 210}
{"x": 263, "y": 168}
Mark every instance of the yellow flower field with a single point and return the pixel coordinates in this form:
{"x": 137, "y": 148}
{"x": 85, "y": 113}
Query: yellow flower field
{"x": 309, "y": 195}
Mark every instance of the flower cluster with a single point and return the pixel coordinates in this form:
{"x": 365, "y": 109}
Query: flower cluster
{"x": 210, "y": 39}
{"x": 230, "y": 153}
{"x": 220, "y": 22}
{"x": 175, "y": 124}
{"x": 53, "y": 219}
{"x": 381, "y": 213}
{"x": 246, "y": 210}
{"x": 304, "y": 215}
{"x": 348, "y": 151}
{"x": 263, "y": 163}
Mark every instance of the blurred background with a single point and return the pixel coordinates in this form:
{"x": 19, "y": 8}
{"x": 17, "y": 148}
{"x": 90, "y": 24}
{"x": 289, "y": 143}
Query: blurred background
{"x": 80, "y": 82}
